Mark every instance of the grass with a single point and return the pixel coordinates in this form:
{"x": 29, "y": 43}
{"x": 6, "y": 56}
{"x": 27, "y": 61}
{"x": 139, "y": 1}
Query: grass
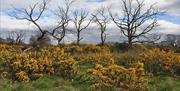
{"x": 162, "y": 83}
{"x": 42, "y": 84}
{"x": 159, "y": 83}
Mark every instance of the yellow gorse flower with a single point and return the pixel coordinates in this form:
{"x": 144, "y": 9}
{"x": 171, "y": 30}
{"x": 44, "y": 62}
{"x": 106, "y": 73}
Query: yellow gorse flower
{"x": 22, "y": 76}
{"x": 33, "y": 64}
{"x": 127, "y": 79}
{"x": 164, "y": 61}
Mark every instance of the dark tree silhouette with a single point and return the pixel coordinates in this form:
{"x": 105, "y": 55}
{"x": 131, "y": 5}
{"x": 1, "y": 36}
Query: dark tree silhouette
{"x": 137, "y": 21}
{"x": 63, "y": 14}
{"x": 101, "y": 19}
{"x": 80, "y": 17}
{"x": 30, "y": 14}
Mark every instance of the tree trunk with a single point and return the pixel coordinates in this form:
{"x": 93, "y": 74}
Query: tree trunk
{"x": 129, "y": 42}
{"x": 78, "y": 38}
{"x": 62, "y": 37}
{"x": 102, "y": 39}
{"x": 62, "y": 34}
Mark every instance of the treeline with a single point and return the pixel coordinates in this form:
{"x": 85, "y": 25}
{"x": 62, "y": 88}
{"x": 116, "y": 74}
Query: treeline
{"x": 135, "y": 25}
{"x": 20, "y": 38}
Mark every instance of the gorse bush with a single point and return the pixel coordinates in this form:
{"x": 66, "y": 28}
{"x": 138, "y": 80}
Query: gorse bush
{"x": 159, "y": 61}
{"x": 125, "y": 79}
{"x": 26, "y": 66}
{"x": 104, "y": 58}
{"x": 67, "y": 68}
{"x": 73, "y": 49}
{"x": 96, "y": 67}
{"x": 128, "y": 59}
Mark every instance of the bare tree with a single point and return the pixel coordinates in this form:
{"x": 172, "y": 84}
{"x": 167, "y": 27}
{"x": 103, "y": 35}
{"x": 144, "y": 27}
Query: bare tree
{"x": 30, "y": 14}
{"x": 19, "y": 36}
{"x": 136, "y": 21}
{"x": 101, "y": 19}
{"x": 63, "y": 21}
{"x": 15, "y": 37}
{"x": 10, "y": 38}
{"x": 79, "y": 22}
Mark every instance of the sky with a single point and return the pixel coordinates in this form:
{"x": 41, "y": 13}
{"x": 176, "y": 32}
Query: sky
{"x": 169, "y": 22}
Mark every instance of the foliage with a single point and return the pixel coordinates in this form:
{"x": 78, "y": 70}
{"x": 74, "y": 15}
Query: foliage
{"x": 67, "y": 68}
{"x": 86, "y": 48}
{"x": 131, "y": 55}
{"x": 130, "y": 79}
{"x": 160, "y": 61}
{"x": 26, "y": 66}
{"x": 104, "y": 58}
{"x": 127, "y": 59}
{"x": 80, "y": 67}
{"x": 120, "y": 47}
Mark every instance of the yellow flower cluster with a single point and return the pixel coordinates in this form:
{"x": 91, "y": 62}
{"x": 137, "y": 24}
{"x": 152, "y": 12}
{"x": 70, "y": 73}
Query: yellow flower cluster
{"x": 22, "y": 76}
{"x": 157, "y": 60}
{"x": 86, "y": 48}
{"x": 73, "y": 49}
{"x": 25, "y": 66}
{"x": 38, "y": 75}
{"x": 104, "y": 58}
{"x": 69, "y": 68}
{"x": 63, "y": 61}
{"x": 125, "y": 79}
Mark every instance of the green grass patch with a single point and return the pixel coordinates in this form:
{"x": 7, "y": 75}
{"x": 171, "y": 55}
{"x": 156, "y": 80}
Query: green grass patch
{"x": 162, "y": 83}
{"x": 159, "y": 83}
{"x": 42, "y": 84}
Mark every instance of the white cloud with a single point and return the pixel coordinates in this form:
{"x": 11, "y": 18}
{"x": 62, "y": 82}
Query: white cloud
{"x": 9, "y": 23}
{"x": 172, "y": 7}
{"x": 168, "y": 27}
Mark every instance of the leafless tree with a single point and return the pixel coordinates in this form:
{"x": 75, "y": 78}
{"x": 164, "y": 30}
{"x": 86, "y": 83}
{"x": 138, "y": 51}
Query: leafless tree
{"x": 10, "y": 38}
{"x": 19, "y": 36}
{"x": 30, "y": 14}
{"x": 101, "y": 19}
{"x": 136, "y": 21}
{"x": 79, "y": 20}
{"x": 63, "y": 21}
{"x": 15, "y": 37}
